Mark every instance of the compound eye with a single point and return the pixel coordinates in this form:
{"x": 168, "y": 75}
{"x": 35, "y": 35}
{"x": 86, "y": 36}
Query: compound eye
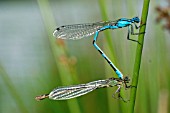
{"x": 126, "y": 78}
{"x": 136, "y": 20}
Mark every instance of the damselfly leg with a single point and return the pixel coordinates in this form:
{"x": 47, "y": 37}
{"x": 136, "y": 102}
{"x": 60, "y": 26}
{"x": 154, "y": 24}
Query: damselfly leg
{"x": 131, "y": 31}
{"x": 124, "y": 82}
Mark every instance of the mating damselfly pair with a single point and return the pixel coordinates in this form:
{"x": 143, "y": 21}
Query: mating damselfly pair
{"x": 68, "y": 92}
{"x": 78, "y": 31}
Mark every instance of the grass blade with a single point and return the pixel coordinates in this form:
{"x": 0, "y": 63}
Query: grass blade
{"x": 138, "y": 56}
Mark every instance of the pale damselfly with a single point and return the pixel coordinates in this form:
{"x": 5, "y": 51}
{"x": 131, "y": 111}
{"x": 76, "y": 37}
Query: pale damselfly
{"x": 69, "y": 92}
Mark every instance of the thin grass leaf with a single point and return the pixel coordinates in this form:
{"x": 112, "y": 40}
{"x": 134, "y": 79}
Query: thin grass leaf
{"x": 138, "y": 56}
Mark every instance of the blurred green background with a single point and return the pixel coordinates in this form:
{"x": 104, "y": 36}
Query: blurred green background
{"x": 33, "y": 62}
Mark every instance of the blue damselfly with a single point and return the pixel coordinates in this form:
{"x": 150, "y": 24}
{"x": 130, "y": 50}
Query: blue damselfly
{"x": 78, "y": 31}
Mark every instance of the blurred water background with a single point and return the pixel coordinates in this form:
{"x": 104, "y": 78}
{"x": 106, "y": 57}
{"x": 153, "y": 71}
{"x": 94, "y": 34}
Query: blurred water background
{"x": 32, "y": 62}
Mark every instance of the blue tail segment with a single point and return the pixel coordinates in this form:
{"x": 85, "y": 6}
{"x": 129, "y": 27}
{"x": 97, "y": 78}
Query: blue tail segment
{"x": 120, "y": 75}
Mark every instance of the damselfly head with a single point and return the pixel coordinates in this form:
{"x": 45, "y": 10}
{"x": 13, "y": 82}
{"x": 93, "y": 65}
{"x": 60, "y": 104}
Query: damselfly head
{"x": 126, "y": 79}
{"x": 135, "y": 19}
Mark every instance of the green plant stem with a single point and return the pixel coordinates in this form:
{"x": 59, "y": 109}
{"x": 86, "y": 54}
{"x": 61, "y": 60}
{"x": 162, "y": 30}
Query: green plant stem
{"x": 138, "y": 56}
